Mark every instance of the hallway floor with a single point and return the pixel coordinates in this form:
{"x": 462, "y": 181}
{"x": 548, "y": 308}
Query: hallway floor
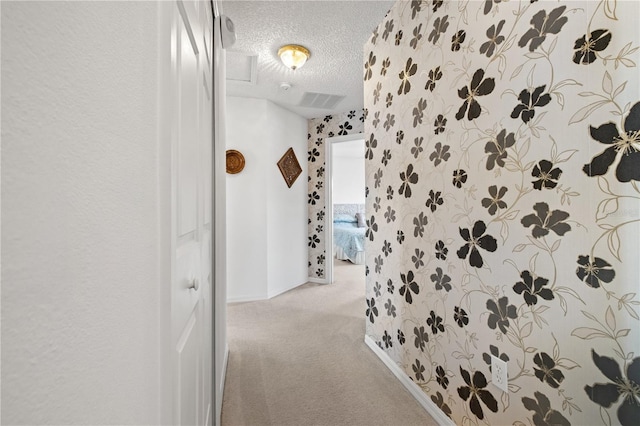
{"x": 300, "y": 359}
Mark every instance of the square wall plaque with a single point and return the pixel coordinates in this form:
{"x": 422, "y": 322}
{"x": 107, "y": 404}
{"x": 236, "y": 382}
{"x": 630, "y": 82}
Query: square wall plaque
{"x": 289, "y": 167}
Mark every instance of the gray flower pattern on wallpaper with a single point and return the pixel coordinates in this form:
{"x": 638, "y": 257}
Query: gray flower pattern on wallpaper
{"x": 351, "y": 122}
{"x": 503, "y": 206}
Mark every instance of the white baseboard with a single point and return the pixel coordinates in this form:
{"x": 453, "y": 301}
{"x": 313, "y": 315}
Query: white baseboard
{"x": 223, "y": 378}
{"x": 225, "y": 362}
{"x": 317, "y": 280}
{"x": 245, "y": 299}
{"x": 422, "y": 398}
{"x": 262, "y": 297}
{"x": 284, "y": 290}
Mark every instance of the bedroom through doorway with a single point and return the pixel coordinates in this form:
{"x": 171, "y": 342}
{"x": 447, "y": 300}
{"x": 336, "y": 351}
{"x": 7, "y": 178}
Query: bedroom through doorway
{"x": 345, "y": 168}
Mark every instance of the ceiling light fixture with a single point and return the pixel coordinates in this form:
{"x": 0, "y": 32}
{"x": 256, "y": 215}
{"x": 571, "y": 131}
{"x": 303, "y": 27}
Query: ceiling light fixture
{"x": 293, "y": 56}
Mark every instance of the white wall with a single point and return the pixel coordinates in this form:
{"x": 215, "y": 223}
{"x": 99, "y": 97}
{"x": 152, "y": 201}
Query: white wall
{"x": 348, "y": 172}
{"x": 80, "y": 280}
{"x": 247, "y": 200}
{"x": 266, "y": 220}
{"x": 286, "y": 207}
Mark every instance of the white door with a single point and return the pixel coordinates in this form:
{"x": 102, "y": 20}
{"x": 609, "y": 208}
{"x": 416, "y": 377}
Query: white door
{"x": 191, "y": 303}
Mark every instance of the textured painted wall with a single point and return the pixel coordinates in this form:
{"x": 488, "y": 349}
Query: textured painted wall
{"x": 502, "y": 167}
{"x": 266, "y": 218}
{"x": 246, "y": 195}
{"x": 81, "y": 282}
{"x": 348, "y": 176}
{"x": 319, "y": 129}
{"x": 286, "y": 208}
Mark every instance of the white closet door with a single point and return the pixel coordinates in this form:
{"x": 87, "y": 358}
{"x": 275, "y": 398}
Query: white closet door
{"x": 191, "y": 211}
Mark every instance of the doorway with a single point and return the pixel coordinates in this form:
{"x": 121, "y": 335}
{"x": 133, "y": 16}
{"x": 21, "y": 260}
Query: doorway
{"x": 351, "y": 191}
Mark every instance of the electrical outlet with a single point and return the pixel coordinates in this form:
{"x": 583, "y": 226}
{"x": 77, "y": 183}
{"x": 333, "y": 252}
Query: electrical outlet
{"x": 499, "y": 373}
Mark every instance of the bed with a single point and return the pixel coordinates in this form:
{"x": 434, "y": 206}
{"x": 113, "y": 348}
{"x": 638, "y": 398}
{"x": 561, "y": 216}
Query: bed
{"x": 348, "y": 237}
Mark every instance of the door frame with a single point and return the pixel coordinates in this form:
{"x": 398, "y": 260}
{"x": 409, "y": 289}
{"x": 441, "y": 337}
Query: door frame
{"x": 218, "y": 211}
{"x": 220, "y": 349}
{"x": 328, "y": 193}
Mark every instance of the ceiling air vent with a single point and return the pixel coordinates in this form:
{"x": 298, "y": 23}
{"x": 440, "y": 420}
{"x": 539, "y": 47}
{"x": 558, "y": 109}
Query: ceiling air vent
{"x": 320, "y": 100}
{"x": 241, "y": 68}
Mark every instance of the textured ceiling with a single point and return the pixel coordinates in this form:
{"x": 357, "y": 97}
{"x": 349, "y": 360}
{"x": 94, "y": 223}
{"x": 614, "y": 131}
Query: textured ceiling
{"x": 333, "y": 31}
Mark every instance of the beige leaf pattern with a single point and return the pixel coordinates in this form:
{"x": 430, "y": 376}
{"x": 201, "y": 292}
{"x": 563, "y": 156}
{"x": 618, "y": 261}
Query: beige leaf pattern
{"x": 543, "y": 273}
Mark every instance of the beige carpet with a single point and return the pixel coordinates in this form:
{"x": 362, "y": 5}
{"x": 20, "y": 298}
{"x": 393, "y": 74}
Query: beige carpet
{"x": 300, "y": 359}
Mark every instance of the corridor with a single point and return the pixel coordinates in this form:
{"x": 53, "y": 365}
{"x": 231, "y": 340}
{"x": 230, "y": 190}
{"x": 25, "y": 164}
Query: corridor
{"x": 300, "y": 359}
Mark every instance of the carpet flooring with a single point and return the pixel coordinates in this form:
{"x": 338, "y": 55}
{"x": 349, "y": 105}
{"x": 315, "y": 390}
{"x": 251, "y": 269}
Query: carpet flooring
{"x": 300, "y": 359}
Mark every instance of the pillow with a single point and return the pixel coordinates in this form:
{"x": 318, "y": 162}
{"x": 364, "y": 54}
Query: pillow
{"x": 344, "y": 218}
{"x": 362, "y": 222}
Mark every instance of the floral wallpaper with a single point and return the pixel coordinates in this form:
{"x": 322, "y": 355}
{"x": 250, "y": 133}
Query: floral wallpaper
{"x": 347, "y": 123}
{"x": 503, "y": 207}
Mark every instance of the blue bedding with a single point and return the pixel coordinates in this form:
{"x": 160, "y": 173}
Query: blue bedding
{"x": 349, "y": 237}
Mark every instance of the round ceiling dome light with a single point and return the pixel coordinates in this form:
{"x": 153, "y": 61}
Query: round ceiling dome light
{"x": 293, "y": 56}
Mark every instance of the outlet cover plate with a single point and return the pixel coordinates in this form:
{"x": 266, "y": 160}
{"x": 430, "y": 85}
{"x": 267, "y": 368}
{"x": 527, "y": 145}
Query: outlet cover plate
{"x": 499, "y": 373}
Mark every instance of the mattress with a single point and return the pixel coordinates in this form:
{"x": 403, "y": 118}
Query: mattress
{"x": 348, "y": 242}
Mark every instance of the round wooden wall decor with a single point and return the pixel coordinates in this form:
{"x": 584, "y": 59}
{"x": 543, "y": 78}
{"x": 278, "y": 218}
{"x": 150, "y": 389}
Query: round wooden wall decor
{"x": 235, "y": 161}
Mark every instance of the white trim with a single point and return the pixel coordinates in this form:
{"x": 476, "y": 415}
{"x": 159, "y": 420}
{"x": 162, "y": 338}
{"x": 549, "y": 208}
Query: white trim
{"x": 223, "y": 378}
{"x": 223, "y": 374}
{"x": 328, "y": 209}
{"x": 218, "y": 212}
{"x": 217, "y": 8}
{"x": 410, "y": 385}
{"x": 246, "y": 299}
{"x": 262, "y": 297}
{"x": 284, "y": 290}
{"x": 346, "y": 138}
{"x": 328, "y": 198}
{"x": 317, "y": 280}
